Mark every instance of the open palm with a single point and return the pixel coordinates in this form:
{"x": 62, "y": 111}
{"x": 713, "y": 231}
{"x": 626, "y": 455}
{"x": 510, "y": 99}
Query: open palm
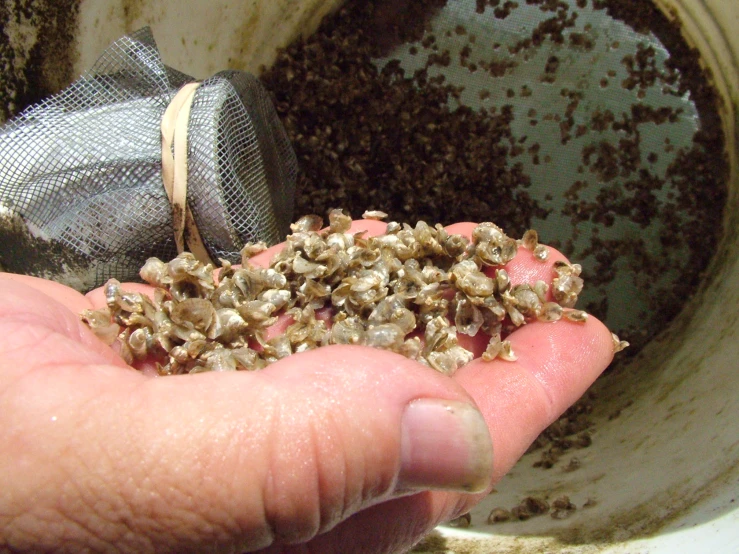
{"x": 340, "y": 449}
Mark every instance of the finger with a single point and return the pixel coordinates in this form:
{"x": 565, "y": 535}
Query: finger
{"x": 242, "y": 460}
{"x": 556, "y": 364}
{"x": 388, "y": 528}
{"x": 46, "y": 308}
{"x": 73, "y": 300}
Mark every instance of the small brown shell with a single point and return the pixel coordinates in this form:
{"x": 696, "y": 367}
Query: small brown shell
{"x": 179, "y": 354}
{"x": 530, "y": 239}
{"x": 196, "y": 347}
{"x": 307, "y": 268}
{"x": 541, "y": 289}
{"x": 492, "y": 246}
{"x": 499, "y": 515}
{"x": 374, "y": 214}
{"x": 467, "y": 318}
{"x": 618, "y": 344}
{"x": 339, "y": 241}
{"x": 498, "y": 348}
{"x": 348, "y": 331}
{"x": 140, "y": 342}
{"x": 112, "y": 291}
{"x": 550, "y": 311}
{"x": 476, "y": 284}
{"x": 460, "y": 270}
{"x": 502, "y": 280}
{"x": 220, "y": 359}
{"x": 229, "y": 326}
{"x": 517, "y": 318}
{"x": 455, "y": 245}
{"x": 278, "y": 298}
{"x": 306, "y": 224}
{"x": 251, "y": 249}
{"x": 278, "y": 348}
{"x": 314, "y": 293}
{"x": 195, "y": 313}
{"x": 527, "y": 301}
{"x": 185, "y": 268}
{"x": 442, "y": 361}
{"x": 339, "y": 222}
{"x": 567, "y": 285}
{"x": 507, "y": 353}
{"x": 541, "y": 253}
{"x": 578, "y": 316}
{"x": 101, "y": 323}
{"x": 367, "y": 280}
{"x": 247, "y": 359}
{"x": 387, "y": 336}
{"x": 411, "y": 348}
{"x": 258, "y": 313}
{"x": 393, "y": 310}
{"x": 439, "y": 335}
{"x": 155, "y": 273}
{"x": 392, "y": 227}
{"x": 487, "y": 232}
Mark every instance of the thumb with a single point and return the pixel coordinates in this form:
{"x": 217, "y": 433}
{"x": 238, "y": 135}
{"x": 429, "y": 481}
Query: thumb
{"x": 244, "y": 460}
{"x": 293, "y": 450}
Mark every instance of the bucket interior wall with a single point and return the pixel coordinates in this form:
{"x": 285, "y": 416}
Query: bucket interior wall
{"x": 663, "y": 475}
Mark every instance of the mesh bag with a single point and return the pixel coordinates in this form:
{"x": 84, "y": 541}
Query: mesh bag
{"x": 81, "y": 181}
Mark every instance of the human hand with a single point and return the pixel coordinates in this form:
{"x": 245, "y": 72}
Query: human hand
{"x": 341, "y": 449}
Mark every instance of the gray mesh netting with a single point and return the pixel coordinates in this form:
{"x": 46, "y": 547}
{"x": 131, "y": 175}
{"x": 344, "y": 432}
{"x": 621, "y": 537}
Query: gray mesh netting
{"x": 81, "y": 193}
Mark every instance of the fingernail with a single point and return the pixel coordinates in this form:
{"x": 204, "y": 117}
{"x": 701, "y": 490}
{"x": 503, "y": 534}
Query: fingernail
{"x": 444, "y": 445}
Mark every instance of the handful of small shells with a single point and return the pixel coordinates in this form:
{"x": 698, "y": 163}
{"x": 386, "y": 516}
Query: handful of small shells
{"x": 337, "y": 287}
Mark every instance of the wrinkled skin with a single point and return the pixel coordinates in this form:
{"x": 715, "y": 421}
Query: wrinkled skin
{"x": 304, "y": 456}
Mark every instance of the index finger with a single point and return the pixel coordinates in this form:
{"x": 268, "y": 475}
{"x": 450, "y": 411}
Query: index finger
{"x": 557, "y": 362}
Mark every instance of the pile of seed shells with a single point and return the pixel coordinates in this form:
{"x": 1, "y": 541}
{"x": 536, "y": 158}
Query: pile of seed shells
{"x": 410, "y": 290}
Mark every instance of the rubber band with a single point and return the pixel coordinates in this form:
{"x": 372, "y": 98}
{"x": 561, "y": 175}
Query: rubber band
{"x": 174, "y": 172}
